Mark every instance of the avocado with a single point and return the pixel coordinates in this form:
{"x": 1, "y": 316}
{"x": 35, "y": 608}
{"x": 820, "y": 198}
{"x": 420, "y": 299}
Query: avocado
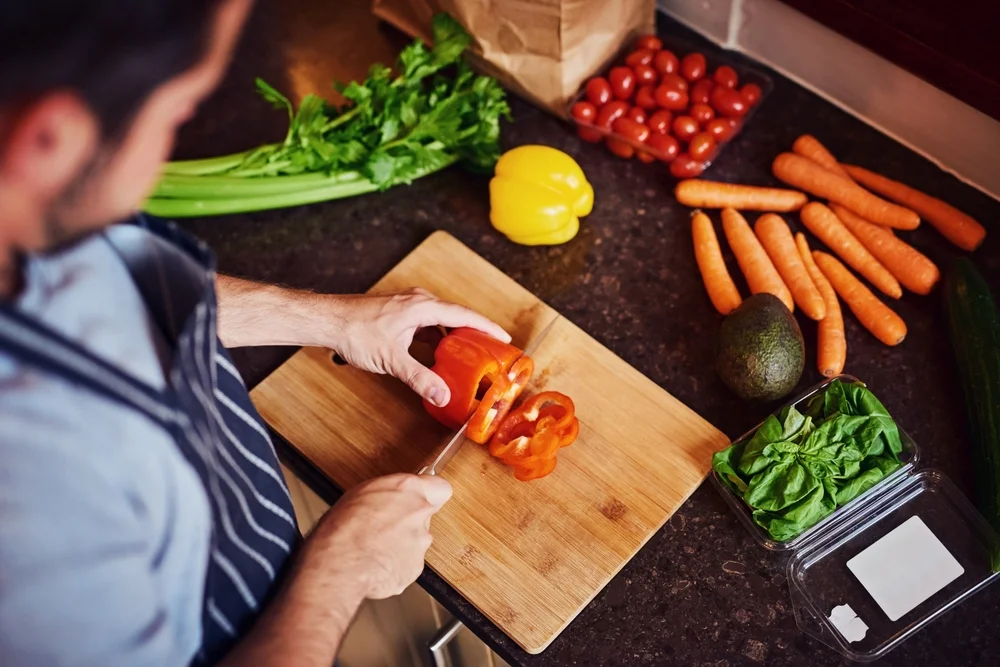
{"x": 761, "y": 351}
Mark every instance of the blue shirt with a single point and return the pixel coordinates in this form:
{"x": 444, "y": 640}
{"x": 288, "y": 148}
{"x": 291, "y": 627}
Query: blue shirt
{"x": 104, "y": 525}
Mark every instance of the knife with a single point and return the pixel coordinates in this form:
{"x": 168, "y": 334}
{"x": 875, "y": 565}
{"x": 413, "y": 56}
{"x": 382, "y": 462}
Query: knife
{"x": 456, "y": 442}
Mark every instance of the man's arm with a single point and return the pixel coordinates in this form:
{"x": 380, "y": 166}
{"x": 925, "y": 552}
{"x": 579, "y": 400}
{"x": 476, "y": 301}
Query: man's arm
{"x": 252, "y": 313}
{"x": 371, "y": 544}
{"x": 371, "y": 332}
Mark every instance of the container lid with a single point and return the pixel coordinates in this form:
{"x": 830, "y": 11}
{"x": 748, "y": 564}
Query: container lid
{"x": 895, "y": 562}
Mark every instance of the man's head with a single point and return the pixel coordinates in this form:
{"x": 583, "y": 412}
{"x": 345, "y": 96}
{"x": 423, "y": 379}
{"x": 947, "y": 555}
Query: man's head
{"x": 91, "y": 96}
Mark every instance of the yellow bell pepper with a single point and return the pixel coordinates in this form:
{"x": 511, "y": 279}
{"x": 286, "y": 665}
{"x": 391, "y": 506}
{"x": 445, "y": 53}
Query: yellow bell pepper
{"x": 538, "y": 196}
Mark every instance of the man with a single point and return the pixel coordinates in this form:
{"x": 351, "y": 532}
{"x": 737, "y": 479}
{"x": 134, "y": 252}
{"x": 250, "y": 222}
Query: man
{"x": 143, "y": 517}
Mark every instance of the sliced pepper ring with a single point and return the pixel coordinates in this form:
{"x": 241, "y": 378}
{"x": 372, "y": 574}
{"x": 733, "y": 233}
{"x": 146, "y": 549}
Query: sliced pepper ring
{"x": 499, "y": 398}
{"x": 530, "y": 437}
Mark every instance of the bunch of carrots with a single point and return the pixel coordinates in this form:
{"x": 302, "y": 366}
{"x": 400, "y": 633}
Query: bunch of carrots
{"x": 856, "y": 224}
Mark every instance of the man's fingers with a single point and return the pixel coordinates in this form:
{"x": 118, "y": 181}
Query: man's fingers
{"x": 452, "y": 315}
{"x": 422, "y": 380}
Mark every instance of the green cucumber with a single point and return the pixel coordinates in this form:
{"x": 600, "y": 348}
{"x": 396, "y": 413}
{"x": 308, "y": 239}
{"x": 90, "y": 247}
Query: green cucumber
{"x": 974, "y": 324}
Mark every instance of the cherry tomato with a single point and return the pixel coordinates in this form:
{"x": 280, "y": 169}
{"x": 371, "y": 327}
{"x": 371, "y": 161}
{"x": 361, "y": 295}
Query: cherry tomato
{"x": 631, "y": 130}
{"x": 609, "y": 112}
{"x": 589, "y": 134}
{"x": 701, "y": 92}
{"x": 598, "y": 91}
{"x": 619, "y": 147}
{"x": 685, "y": 166}
{"x": 685, "y": 127}
{"x": 693, "y": 66}
{"x": 622, "y": 81}
{"x": 665, "y": 62}
{"x": 645, "y": 157}
{"x": 671, "y": 98}
{"x": 729, "y": 102}
{"x": 752, "y": 93}
{"x": 638, "y": 114}
{"x": 721, "y": 129}
{"x": 584, "y": 112}
{"x": 701, "y": 113}
{"x": 651, "y": 42}
{"x": 645, "y": 75}
{"x": 659, "y": 122}
{"x": 674, "y": 81}
{"x": 639, "y": 57}
{"x": 644, "y": 98}
{"x": 726, "y": 77}
{"x": 702, "y": 147}
{"x": 666, "y": 147}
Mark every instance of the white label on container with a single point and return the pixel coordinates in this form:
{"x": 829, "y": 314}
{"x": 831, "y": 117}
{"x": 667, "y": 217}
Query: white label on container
{"x": 905, "y": 567}
{"x": 847, "y": 621}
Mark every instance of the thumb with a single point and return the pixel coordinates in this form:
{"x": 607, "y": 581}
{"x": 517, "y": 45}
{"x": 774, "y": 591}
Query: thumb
{"x": 437, "y": 491}
{"x": 422, "y": 380}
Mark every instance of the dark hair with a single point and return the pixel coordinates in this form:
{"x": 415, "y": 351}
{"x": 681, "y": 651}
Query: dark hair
{"x": 114, "y": 53}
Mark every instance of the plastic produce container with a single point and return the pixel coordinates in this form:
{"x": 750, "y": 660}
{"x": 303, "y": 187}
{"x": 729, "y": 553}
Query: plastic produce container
{"x": 848, "y": 573}
{"x": 680, "y": 49}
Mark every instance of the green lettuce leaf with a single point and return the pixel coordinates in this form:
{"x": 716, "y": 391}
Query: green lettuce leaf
{"x": 798, "y": 467}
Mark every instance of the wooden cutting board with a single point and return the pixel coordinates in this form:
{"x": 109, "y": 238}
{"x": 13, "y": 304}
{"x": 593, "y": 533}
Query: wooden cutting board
{"x": 529, "y": 555}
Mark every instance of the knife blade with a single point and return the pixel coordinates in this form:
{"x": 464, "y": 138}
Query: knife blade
{"x": 457, "y": 440}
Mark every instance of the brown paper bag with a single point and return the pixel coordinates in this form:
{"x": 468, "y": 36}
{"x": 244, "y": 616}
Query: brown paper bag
{"x": 540, "y": 49}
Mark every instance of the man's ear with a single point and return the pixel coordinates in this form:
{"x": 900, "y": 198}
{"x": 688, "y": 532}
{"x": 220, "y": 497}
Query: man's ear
{"x": 47, "y": 145}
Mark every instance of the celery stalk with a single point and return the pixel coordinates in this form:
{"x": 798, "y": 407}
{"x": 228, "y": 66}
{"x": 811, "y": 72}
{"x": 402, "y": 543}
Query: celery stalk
{"x": 189, "y": 208}
{"x": 179, "y": 186}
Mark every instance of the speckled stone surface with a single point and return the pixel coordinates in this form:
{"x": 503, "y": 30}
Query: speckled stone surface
{"x": 701, "y": 592}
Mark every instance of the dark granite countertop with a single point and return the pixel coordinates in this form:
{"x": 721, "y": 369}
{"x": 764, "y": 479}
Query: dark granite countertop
{"x": 701, "y": 592}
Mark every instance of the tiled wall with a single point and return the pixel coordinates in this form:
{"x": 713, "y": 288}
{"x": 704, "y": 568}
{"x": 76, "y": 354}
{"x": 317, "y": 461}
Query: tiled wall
{"x": 957, "y": 137}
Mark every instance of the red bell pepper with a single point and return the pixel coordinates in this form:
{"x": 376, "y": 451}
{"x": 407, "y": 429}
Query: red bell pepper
{"x": 473, "y": 363}
{"x": 531, "y": 435}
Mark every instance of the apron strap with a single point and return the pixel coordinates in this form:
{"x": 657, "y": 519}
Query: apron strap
{"x": 37, "y": 345}
{"x": 170, "y": 275}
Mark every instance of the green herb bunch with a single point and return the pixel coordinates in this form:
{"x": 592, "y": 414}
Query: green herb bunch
{"x": 394, "y": 128}
{"x": 798, "y": 468}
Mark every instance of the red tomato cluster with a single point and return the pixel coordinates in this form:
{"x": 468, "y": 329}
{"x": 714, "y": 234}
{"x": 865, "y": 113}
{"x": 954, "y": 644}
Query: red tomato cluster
{"x": 676, "y": 107}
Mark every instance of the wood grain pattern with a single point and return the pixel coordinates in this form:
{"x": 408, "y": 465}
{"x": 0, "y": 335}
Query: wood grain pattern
{"x": 528, "y": 555}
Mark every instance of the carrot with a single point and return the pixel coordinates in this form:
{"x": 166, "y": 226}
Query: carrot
{"x": 957, "y": 227}
{"x": 777, "y": 240}
{"x": 710, "y": 194}
{"x": 809, "y": 176}
{"x": 718, "y": 283}
{"x": 831, "y": 354}
{"x": 822, "y": 222}
{"x": 810, "y": 148}
{"x": 877, "y": 317}
{"x": 917, "y": 273}
{"x": 753, "y": 260}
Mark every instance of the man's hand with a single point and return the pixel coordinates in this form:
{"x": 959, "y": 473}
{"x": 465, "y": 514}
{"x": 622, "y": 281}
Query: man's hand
{"x": 370, "y": 544}
{"x": 379, "y": 531}
{"x": 377, "y": 330}
{"x": 372, "y": 332}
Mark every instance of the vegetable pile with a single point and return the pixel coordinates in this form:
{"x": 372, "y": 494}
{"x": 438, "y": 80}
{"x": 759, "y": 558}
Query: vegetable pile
{"x": 393, "y": 129}
{"x": 798, "y": 468}
{"x": 857, "y": 225}
{"x": 657, "y": 106}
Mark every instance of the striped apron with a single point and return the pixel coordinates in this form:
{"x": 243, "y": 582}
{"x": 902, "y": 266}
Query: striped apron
{"x": 205, "y": 407}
